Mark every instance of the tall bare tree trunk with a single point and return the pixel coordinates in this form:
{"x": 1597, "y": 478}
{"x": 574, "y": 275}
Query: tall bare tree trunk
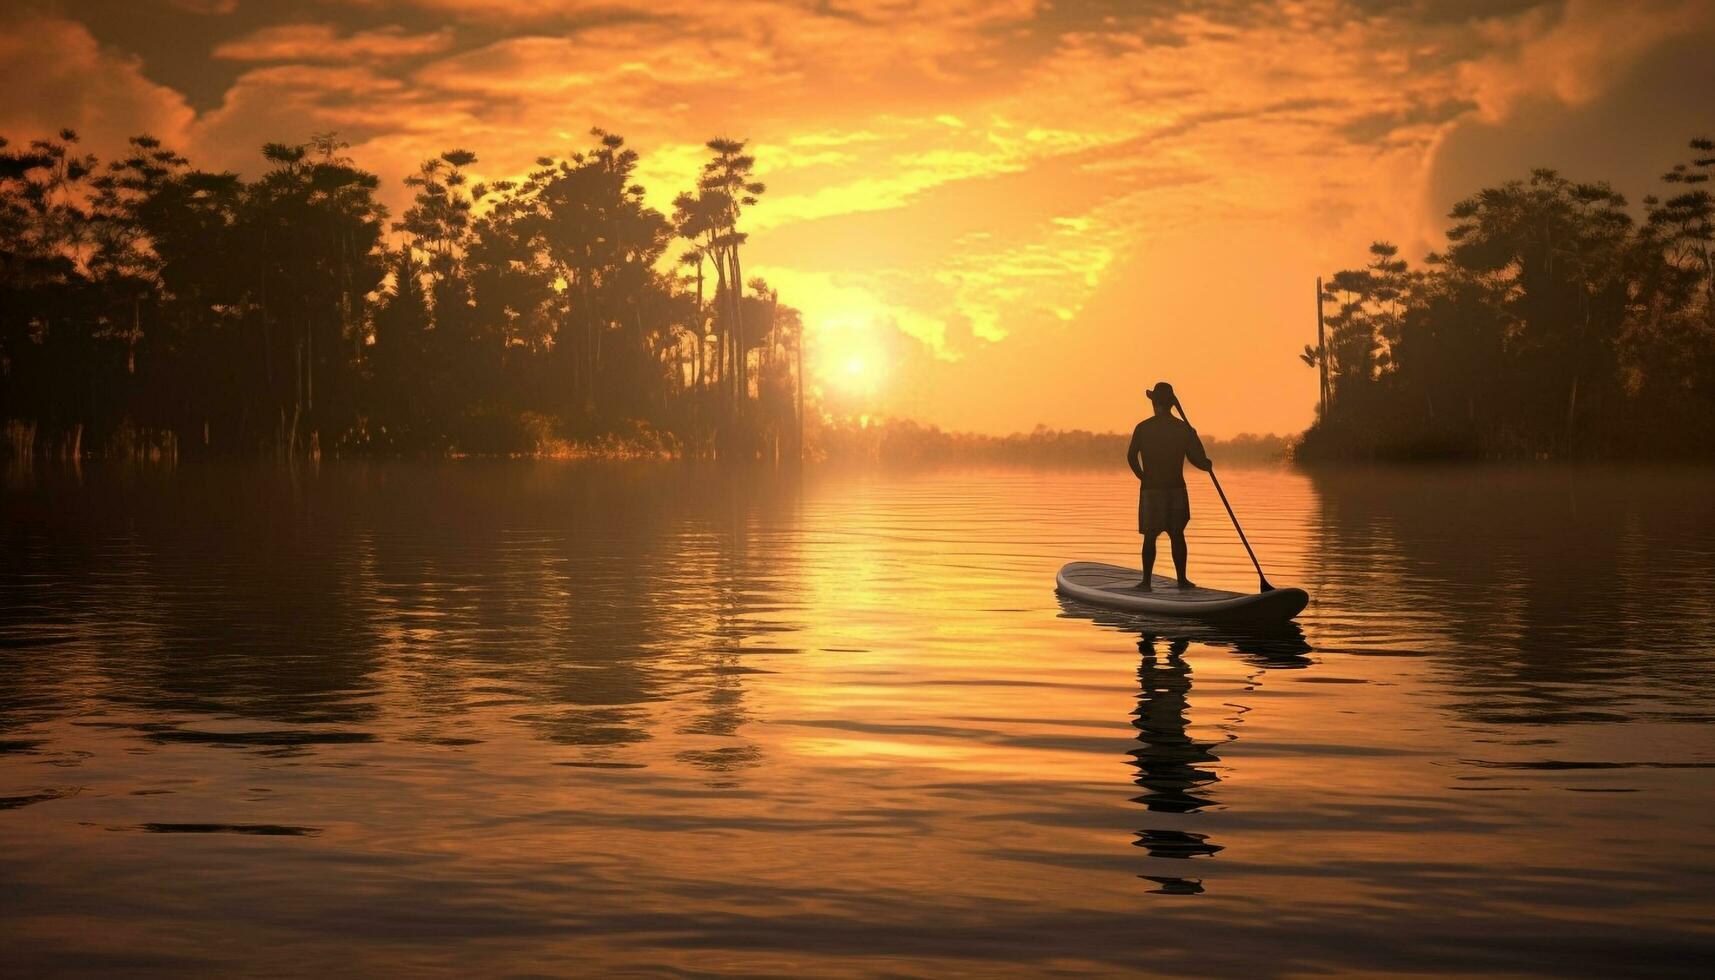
{"x": 723, "y": 345}
{"x": 589, "y": 343}
{"x": 738, "y": 328}
{"x": 297, "y": 388}
{"x": 1322, "y": 348}
{"x": 773, "y": 324}
{"x": 701, "y": 323}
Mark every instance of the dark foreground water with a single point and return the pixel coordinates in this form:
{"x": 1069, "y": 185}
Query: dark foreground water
{"x": 545, "y": 718}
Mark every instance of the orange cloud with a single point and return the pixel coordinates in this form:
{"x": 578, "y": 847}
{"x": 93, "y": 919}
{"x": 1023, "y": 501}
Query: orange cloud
{"x": 1573, "y": 54}
{"x": 55, "y": 74}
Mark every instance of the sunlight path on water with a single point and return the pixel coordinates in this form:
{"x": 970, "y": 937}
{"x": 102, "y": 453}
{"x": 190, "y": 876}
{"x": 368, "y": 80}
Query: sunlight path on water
{"x": 549, "y": 718}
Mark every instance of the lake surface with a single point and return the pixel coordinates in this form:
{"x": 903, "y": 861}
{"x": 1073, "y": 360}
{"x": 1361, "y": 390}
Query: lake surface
{"x": 551, "y": 718}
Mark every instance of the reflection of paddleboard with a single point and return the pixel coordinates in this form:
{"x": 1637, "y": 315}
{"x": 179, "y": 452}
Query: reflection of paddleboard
{"x": 1116, "y": 588}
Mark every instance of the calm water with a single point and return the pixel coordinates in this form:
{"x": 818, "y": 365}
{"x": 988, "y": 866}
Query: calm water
{"x": 545, "y": 718}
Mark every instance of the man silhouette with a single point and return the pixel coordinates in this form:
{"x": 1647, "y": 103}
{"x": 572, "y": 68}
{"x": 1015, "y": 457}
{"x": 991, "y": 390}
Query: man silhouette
{"x": 1160, "y": 445}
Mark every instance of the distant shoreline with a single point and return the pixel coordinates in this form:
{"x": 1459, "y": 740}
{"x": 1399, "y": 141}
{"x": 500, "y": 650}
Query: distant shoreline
{"x": 884, "y": 441}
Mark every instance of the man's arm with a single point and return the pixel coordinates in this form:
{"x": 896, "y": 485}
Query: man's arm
{"x": 1131, "y": 455}
{"x": 1196, "y": 455}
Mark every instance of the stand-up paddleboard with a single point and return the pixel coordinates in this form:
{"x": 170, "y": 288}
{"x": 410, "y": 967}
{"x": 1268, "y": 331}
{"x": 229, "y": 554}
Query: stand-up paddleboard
{"x": 1116, "y": 588}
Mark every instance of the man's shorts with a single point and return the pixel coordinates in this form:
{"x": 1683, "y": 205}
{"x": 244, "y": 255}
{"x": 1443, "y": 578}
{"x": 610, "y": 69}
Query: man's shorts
{"x": 1165, "y": 509}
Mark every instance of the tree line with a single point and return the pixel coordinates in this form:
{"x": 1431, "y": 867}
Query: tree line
{"x": 1555, "y": 324}
{"x": 151, "y": 308}
{"x": 890, "y": 440}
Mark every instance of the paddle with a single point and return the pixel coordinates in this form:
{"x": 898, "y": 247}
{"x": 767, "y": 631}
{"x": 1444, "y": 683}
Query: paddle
{"x": 1242, "y": 539}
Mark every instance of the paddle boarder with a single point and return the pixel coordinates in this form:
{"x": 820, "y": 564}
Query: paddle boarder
{"x": 1160, "y": 445}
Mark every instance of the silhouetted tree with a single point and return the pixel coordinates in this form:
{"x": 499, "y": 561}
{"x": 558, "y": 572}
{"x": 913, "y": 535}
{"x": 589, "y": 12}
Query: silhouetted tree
{"x": 156, "y": 307}
{"x": 1553, "y": 324}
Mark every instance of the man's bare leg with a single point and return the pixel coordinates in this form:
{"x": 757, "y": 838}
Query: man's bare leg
{"x": 1148, "y": 562}
{"x": 1177, "y": 539}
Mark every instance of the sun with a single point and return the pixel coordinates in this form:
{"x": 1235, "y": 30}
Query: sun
{"x": 850, "y": 357}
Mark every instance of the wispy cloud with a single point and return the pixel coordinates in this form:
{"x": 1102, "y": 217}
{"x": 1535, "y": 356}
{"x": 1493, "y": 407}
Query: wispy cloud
{"x": 322, "y": 42}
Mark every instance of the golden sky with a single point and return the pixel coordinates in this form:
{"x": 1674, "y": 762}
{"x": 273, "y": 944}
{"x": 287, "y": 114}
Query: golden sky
{"x": 994, "y": 213}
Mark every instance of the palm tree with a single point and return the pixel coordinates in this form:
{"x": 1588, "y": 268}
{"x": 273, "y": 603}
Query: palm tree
{"x": 727, "y": 187}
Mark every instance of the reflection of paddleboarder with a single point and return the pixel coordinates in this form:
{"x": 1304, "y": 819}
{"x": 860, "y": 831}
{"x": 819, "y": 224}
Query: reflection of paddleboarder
{"x": 1160, "y": 445}
{"x": 1168, "y": 759}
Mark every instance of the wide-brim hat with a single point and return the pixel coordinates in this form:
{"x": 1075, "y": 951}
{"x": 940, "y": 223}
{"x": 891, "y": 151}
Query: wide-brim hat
{"x": 1162, "y": 392}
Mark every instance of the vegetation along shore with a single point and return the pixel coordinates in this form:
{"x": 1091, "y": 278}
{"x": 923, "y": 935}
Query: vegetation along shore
{"x": 1555, "y": 324}
{"x": 152, "y": 309}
